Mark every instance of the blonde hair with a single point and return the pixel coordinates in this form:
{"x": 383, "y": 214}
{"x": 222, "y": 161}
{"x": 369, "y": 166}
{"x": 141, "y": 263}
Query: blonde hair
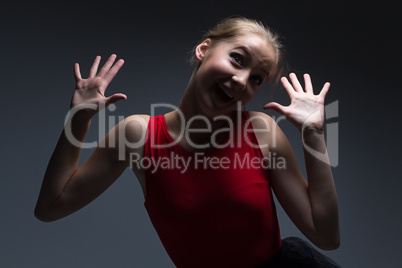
{"x": 233, "y": 27}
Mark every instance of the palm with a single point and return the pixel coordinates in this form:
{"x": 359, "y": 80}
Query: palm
{"x": 305, "y": 109}
{"x": 92, "y": 90}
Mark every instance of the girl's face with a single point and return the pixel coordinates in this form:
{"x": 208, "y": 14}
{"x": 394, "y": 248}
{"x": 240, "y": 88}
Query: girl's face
{"x": 232, "y": 71}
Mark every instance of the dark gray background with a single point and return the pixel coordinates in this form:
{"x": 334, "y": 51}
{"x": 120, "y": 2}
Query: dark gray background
{"x": 354, "y": 46}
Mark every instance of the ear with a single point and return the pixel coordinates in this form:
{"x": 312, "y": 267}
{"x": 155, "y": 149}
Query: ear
{"x": 202, "y": 48}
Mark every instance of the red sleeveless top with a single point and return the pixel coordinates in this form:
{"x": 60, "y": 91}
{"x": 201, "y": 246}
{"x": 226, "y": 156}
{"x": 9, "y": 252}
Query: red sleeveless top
{"x": 212, "y": 208}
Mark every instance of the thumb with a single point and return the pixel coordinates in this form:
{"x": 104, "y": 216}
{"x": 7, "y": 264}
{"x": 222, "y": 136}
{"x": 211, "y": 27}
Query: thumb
{"x": 115, "y": 98}
{"x": 275, "y": 106}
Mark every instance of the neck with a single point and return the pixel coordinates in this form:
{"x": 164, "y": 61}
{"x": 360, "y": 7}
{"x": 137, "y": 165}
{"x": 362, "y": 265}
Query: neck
{"x": 190, "y": 115}
{"x": 190, "y": 107}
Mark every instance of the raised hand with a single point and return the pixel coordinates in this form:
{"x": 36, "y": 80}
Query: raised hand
{"x": 305, "y": 109}
{"x": 91, "y": 91}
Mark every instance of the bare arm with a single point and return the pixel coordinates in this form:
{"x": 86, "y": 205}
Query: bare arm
{"x": 67, "y": 187}
{"x": 312, "y": 205}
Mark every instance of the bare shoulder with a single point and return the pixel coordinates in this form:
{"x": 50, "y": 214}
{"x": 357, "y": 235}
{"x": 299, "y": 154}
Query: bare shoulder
{"x": 260, "y": 119}
{"x": 265, "y": 129}
{"x": 135, "y": 127}
{"x": 268, "y": 131}
{"x": 127, "y": 131}
{"x": 135, "y": 130}
{"x": 136, "y": 124}
{"x": 127, "y": 136}
{"x": 136, "y": 121}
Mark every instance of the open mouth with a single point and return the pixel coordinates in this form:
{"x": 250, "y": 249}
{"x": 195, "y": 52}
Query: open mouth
{"x": 224, "y": 94}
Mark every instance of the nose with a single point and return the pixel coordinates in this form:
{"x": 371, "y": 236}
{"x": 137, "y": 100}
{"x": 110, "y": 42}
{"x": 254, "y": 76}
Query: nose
{"x": 240, "y": 80}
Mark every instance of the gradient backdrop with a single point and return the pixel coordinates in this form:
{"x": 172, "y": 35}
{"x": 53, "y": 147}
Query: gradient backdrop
{"x": 354, "y": 46}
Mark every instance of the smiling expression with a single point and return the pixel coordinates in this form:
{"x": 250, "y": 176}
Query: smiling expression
{"x": 232, "y": 71}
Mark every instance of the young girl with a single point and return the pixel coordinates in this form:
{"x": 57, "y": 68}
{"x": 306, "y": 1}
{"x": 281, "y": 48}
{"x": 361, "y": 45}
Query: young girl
{"x": 206, "y": 169}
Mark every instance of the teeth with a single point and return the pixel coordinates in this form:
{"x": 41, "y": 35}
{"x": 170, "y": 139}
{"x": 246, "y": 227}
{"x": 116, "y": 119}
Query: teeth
{"x": 227, "y": 93}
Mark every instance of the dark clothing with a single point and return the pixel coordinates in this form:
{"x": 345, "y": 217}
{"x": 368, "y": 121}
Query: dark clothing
{"x": 296, "y": 252}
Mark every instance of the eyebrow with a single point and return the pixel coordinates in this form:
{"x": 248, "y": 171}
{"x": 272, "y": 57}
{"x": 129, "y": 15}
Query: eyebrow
{"x": 245, "y": 49}
{"x": 266, "y": 66}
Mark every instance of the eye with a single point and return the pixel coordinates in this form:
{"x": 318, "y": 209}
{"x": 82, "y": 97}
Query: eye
{"x": 237, "y": 58}
{"x": 257, "y": 79}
